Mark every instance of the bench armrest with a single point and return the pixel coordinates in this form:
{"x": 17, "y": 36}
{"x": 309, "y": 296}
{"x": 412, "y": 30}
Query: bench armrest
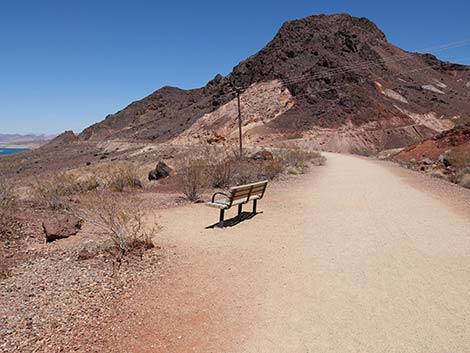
{"x": 219, "y": 193}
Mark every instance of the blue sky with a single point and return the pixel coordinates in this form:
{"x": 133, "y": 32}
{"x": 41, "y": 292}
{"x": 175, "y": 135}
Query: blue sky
{"x": 67, "y": 64}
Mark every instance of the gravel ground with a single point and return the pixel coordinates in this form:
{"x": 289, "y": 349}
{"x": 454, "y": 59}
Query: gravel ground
{"x": 58, "y": 303}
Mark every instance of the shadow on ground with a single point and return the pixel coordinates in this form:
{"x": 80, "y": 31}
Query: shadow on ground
{"x": 244, "y": 216}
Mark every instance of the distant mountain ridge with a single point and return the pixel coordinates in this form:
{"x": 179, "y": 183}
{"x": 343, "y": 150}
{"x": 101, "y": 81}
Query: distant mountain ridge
{"x": 28, "y": 140}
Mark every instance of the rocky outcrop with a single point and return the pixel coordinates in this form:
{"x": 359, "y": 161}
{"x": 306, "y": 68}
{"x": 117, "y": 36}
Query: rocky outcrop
{"x": 162, "y": 170}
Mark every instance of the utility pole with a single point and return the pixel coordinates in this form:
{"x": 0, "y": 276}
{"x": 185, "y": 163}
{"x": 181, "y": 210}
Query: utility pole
{"x": 239, "y": 90}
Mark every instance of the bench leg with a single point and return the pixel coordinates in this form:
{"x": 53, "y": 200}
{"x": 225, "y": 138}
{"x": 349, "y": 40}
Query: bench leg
{"x": 255, "y": 202}
{"x": 240, "y": 209}
{"x": 221, "y": 219}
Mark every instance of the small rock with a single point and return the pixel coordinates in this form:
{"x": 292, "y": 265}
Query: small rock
{"x": 61, "y": 227}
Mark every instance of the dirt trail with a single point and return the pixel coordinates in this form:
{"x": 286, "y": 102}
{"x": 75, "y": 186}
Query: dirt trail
{"x": 350, "y": 258}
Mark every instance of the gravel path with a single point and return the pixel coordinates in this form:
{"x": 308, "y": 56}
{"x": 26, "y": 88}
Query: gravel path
{"x": 350, "y": 258}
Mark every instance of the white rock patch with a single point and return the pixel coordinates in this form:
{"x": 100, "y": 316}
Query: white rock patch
{"x": 430, "y": 120}
{"x": 432, "y": 89}
{"x": 394, "y": 95}
{"x": 468, "y": 84}
{"x": 390, "y": 93}
{"x": 440, "y": 84}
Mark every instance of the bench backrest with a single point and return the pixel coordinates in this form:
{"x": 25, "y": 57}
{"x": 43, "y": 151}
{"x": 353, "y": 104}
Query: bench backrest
{"x": 243, "y": 193}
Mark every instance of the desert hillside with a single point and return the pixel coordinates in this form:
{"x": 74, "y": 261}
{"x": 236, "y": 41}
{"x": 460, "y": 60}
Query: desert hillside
{"x": 333, "y": 82}
{"x": 153, "y": 231}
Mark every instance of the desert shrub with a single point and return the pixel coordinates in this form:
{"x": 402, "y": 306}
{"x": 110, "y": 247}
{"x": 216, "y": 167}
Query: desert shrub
{"x": 52, "y": 191}
{"x": 192, "y": 178}
{"x": 270, "y": 169}
{"x": 459, "y": 159}
{"x": 462, "y": 177}
{"x": 119, "y": 220}
{"x": 464, "y": 180}
{"x": 362, "y": 151}
{"x": 298, "y": 160}
{"x": 246, "y": 172}
{"x": 6, "y": 203}
{"x": 436, "y": 173}
{"x": 221, "y": 168}
{"x": 87, "y": 183}
{"x": 220, "y": 173}
{"x": 122, "y": 177}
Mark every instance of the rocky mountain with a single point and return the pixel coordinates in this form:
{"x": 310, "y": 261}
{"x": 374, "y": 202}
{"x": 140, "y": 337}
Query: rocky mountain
{"x": 332, "y": 80}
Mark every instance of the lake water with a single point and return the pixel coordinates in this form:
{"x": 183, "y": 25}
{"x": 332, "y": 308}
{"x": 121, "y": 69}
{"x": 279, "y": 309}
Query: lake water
{"x": 11, "y": 150}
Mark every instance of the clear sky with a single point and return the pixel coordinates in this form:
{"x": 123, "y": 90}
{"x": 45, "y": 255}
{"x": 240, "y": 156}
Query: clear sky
{"x": 67, "y": 64}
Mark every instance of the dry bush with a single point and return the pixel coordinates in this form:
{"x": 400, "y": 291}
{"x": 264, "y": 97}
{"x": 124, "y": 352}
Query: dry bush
{"x": 362, "y": 151}
{"x": 192, "y": 178}
{"x": 123, "y": 176}
{"x": 298, "y": 160}
{"x": 119, "y": 220}
{"x": 464, "y": 180}
{"x": 51, "y": 192}
{"x": 6, "y": 204}
{"x": 462, "y": 177}
{"x": 459, "y": 159}
{"x": 436, "y": 173}
{"x": 220, "y": 168}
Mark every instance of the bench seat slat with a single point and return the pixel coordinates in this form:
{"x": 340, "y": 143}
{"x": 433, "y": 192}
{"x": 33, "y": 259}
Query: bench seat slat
{"x": 218, "y": 205}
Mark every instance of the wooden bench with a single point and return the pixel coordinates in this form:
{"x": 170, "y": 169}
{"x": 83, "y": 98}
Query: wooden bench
{"x": 239, "y": 195}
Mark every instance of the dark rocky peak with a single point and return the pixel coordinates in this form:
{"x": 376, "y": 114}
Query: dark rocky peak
{"x": 334, "y": 26}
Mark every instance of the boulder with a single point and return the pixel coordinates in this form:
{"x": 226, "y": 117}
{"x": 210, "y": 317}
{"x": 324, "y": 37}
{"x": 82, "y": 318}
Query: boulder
{"x": 162, "y": 170}
{"x": 262, "y": 156}
{"x": 61, "y": 227}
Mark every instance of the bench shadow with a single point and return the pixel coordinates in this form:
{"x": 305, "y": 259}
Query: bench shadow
{"x": 245, "y": 216}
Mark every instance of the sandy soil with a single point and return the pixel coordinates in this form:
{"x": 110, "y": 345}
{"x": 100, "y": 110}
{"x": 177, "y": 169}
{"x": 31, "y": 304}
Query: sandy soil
{"x": 349, "y": 258}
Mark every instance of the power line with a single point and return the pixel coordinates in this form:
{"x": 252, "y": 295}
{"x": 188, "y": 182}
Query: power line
{"x": 388, "y": 75}
{"x": 368, "y": 64}
{"x": 371, "y": 63}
